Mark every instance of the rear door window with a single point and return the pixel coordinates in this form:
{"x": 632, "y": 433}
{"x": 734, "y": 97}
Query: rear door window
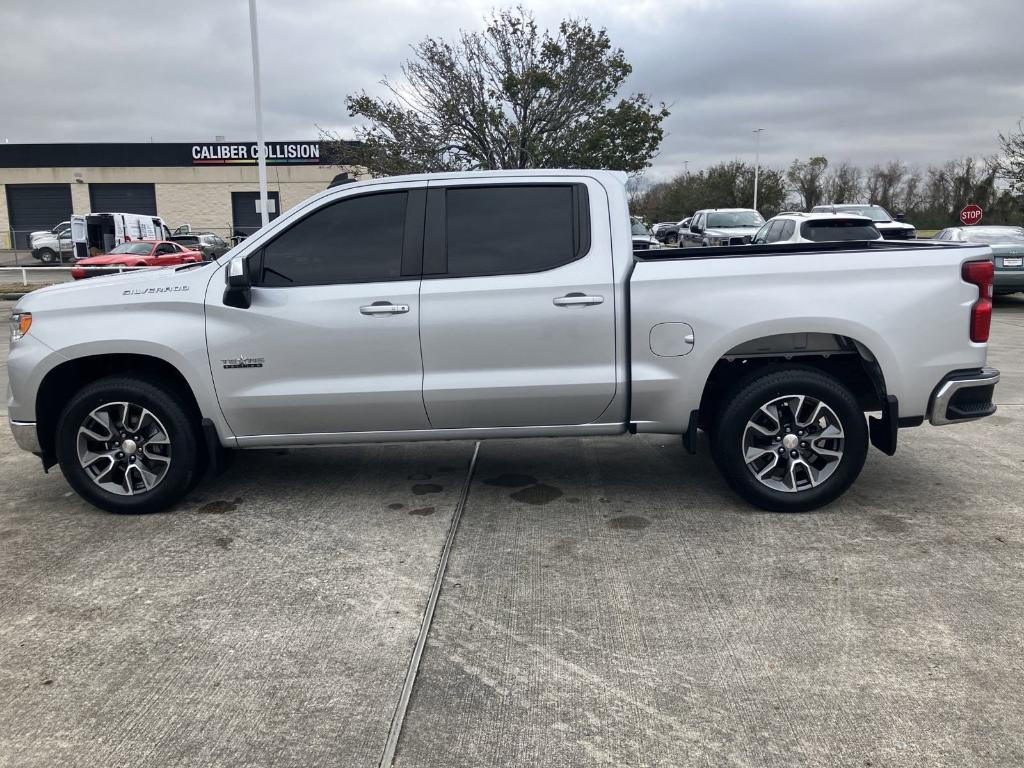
{"x": 775, "y": 231}
{"x": 509, "y": 229}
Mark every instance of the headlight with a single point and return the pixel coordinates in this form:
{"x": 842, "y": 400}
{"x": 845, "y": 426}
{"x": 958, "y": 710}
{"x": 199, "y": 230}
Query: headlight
{"x": 20, "y": 323}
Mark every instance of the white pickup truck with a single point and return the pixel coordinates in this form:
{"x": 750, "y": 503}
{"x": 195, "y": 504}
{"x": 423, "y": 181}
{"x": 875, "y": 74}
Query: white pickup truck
{"x": 497, "y": 305}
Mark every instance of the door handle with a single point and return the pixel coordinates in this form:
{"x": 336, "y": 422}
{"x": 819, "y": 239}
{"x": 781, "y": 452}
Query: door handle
{"x": 577, "y": 300}
{"x": 384, "y": 308}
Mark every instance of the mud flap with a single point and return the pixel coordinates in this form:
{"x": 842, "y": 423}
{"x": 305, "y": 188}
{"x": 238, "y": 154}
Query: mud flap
{"x": 883, "y": 430}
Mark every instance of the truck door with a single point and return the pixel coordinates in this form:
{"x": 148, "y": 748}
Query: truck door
{"x": 330, "y": 343}
{"x": 518, "y": 309}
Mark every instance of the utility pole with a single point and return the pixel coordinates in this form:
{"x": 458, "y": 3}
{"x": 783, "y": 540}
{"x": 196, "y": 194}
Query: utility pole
{"x": 686, "y": 168}
{"x": 261, "y": 147}
{"x": 757, "y": 158}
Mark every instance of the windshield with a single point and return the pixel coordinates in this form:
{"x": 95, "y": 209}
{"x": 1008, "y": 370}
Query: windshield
{"x": 726, "y": 219}
{"x": 135, "y": 249}
{"x": 1008, "y": 236}
{"x": 641, "y": 229}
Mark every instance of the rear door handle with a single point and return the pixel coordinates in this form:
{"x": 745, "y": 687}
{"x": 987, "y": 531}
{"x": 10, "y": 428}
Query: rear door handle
{"x": 384, "y": 308}
{"x": 577, "y": 300}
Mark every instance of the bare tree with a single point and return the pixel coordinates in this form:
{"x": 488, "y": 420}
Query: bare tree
{"x": 843, "y": 184}
{"x": 884, "y": 183}
{"x": 512, "y": 96}
{"x": 1010, "y": 164}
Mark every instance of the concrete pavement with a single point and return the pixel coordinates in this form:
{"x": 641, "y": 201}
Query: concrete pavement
{"x": 607, "y": 603}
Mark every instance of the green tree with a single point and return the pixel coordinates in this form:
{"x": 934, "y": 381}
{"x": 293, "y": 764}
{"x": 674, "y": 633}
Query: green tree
{"x": 807, "y": 179}
{"x": 512, "y": 96}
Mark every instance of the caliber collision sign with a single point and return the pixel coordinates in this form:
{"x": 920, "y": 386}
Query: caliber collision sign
{"x": 971, "y": 214}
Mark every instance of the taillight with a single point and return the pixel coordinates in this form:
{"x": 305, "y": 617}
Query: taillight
{"x": 980, "y": 273}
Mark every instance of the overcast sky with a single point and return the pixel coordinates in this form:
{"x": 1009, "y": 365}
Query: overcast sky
{"x": 863, "y": 80}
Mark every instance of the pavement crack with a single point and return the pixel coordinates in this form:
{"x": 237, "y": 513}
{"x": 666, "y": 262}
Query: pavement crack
{"x": 387, "y": 757}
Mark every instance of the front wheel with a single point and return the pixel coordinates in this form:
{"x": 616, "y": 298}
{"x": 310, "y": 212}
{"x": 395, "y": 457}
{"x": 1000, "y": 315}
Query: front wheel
{"x": 672, "y": 240}
{"x": 48, "y": 257}
{"x": 790, "y": 440}
{"x": 127, "y": 445}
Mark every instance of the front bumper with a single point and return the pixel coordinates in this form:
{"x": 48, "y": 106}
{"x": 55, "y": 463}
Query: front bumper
{"x": 964, "y": 396}
{"x": 26, "y": 436}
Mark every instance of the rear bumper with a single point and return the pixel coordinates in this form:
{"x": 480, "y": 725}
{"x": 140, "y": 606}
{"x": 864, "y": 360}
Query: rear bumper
{"x": 963, "y": 396}
{"x": 26, "y": 436}
{"x": 1008, "y": 280}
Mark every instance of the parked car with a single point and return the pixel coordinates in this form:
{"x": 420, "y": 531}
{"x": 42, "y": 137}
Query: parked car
{"x": 211, "y": 245}
{"x": 138, "y": 253}
{"x": 52, "y": 246}
{"x": 721, "y": 226}
{"x": 494, "y": 305}
{"x": 670, "y": 234}
{"x": 643, "y": 240}
{"x": 890, "y": 226}
{"x": 1007, "y": 245}
{"x": 793, "y": 227}
{"x": 660, "y": 226}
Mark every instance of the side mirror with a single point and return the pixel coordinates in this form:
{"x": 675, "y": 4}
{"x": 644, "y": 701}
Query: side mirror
{"x": 238, "y": 290}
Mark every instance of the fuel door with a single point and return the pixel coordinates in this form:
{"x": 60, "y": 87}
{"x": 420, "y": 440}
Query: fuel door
{"x": 671, "y": 339}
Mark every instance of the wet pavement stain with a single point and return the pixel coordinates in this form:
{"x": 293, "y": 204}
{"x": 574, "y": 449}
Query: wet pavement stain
{"x": 445, "y": 470}
{"x": 574, "y": 499}
{"x": 422, "y": 511}
{"x": 421, "y": 488}
{"x": 537, "y": 494}
{"x": 511, "y": 480}
{"x": 628, "y": 523}
{"x": 889, "y": 523}
{"x": 220, "y": 507}
{"x": 418, "y": 476}
{"x": 224, "y": 542}
{"x": 396, "y": 505}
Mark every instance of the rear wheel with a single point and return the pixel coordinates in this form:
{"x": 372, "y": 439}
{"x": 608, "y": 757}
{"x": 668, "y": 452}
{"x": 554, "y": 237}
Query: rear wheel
{"x": 127, "y": 445}
{"x": 672, "y": 239}
{"x": 790, "y": 440}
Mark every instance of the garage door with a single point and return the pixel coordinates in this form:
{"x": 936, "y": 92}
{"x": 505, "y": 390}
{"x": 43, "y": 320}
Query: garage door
{"x": 123, "y": 198}
{"x": 31, "y": 207}
{"x": 245, "y": 211}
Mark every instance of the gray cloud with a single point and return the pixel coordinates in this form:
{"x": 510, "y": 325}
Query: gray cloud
{"x": 866, "y": 81}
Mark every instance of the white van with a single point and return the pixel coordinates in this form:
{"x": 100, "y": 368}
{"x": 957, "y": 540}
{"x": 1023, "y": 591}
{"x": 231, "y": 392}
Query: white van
{"x": 96, "y": 233}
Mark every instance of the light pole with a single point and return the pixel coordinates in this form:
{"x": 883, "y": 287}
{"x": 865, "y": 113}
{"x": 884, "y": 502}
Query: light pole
{"x": 686, "y": 168}
{"x": 261, "y": 148}
{"x": 757, "y": 159}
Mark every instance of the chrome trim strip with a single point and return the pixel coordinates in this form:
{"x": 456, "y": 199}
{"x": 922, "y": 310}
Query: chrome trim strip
{"x": 25, "y": 435}
{"x": 945, "y": 392}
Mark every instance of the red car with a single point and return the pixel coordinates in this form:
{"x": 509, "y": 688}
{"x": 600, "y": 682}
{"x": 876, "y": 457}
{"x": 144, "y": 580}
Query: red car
{"x": 137, "y": 253}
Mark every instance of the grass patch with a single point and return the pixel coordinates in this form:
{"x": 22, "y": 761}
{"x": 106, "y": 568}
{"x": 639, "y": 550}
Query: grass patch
{"x": 19, "y": 288}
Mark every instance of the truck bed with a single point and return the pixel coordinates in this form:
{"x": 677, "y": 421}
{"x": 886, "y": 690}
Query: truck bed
{"x": 778, "y": 249}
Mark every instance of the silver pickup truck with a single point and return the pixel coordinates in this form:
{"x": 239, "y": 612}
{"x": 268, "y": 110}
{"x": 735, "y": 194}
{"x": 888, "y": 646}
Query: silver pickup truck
{"x": 498, "y": 305}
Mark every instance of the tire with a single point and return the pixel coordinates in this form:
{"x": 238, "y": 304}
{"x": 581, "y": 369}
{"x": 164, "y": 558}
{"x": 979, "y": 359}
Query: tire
{"x": 48, "y": 257}
{"x": 128, "y": 476}
{"x": 672, "y": 240}
{"x": 746, "y": 443}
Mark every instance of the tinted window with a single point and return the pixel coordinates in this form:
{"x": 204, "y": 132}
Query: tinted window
{"x": 775, "y": 231}
{"x": 352, "y": 241}
{"x": 788, "y": 229}
{"x": 838, "y": 229}
{"x": 762, "y": 234}
{"x": 494, "y": 230}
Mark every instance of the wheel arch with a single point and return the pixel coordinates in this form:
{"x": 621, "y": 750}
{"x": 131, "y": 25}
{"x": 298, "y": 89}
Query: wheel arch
{"x": 846, "y": 358}
{"x": 63, "y": 380}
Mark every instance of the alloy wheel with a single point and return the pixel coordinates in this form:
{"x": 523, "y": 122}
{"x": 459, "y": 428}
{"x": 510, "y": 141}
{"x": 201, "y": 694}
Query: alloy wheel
{"x": 793, "y": 443}
{"x": 124, "y": 448}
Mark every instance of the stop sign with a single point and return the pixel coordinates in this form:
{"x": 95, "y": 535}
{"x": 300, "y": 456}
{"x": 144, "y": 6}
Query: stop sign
{"x": 971, "y": 214}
